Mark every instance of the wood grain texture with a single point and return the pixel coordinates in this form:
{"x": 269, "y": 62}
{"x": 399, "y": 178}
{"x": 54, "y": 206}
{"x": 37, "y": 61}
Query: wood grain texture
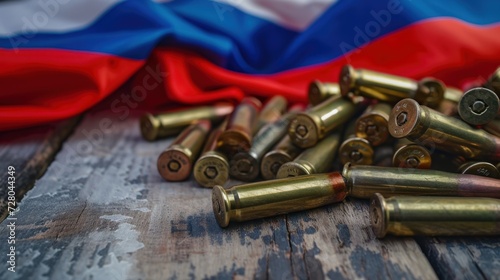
{"x": 101, "y": 211}
{"x": 29, "y": 151}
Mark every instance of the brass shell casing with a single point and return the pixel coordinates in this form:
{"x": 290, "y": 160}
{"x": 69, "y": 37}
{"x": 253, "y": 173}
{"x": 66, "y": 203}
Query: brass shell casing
{"x": 168, "y": 124}
{"x": 479, "y": 106}
{"x": 493, "y": 82}
{"x": 176, "y": 162}
{"x": 434, "y": 216}
{"x": 372, "y": 125}
{"x": 308, "y": 128}
{"x": 276, "y": 197}
{"x": 485, "y": 169}
{"x": 493, "y": 127}
{"x": 364, "y": 181}
{"x": 285, "y": 151}
{"x": 449, "y": 105}
{"x": 411, "y": 155}
{"x": 424, "y": 125}
{"x": 319, "y": 92}
{"x": 390, "y": 88}
{"x": 272, "y": 111}
{"x": 354, "y": 149}
{"x": 318, "y": 159}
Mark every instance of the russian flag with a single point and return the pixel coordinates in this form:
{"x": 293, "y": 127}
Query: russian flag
{"x": 60, "y": 57}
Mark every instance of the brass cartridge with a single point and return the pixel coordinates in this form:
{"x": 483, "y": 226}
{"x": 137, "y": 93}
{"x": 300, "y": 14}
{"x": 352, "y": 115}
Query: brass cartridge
{"x": 411, "y": 155}
{"x": 449, "y": 105}
{"x": 319, "y": 92}
{"x": 372, "y": 125}
{"x": 434, "y": 216}
{"x": 479, "y": 106}
{"x": 212, "y": 168}
{"x": 355, "y": 149}
{"x": 167, "y": 124}
{"x": 176, "y": 162}
{"x": 271, "y": 112}
{"x": 485, "y": 169}
{"x": 239, "y": 131}
{"x": 245, "y": 166}
{"x": 390, "y": 88}
{"x": 364, "y": 181}
{"x": 317, "y": 159}
{"x": 276, "y": 197}
{"x": 285, "y": 151}
{"x": 308, "y": 128}
{"x": 493, "y": 127}
{"x": 493, "y": 82}
{"x": 424, "y": 125}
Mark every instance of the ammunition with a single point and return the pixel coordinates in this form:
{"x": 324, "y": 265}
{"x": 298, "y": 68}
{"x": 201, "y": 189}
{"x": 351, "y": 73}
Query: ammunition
{"x": 319, "y": 92}
{"x": 172, "y": 123}
{"x": 493, "y": 127}
{"x": 364, "y": 181}
{"x": 212, "y": 167}
{"x": 239, "y": 131}
{"x": 479, "y": 106}
{"x": 372, "y": 125}
{"x": 306, "y": 129}
{"x": 271, "y": 112}
{"x": 449, "y": 105}
{"x": 245, "y": 166}
{"x": 355, "y": 149}
{"x": 411, "y": 155}
{"x": 276, "y": 197}
{"x": 175, "y": 163}
{"x": 493, "y": 82}
{"x": 485, "y": 169}
{"x": 317, "y": 159}
{"x": 424, "y": 125}
{"x": 434, "y": 216}
{"x": 285, "y": 151}
{"x": 389, "y": 88}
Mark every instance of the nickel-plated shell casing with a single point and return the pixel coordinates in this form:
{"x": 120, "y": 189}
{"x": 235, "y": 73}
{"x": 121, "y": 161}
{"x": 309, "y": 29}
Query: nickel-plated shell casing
{"x": 493, "y": 82}
{"x": 172, "y": 123}
{"x": 434, "y": 216}
{"x": 245, "y": 166}
{"x": 449, "y": 104}
{"x": 308, "y": 128}
{"x": 390, "y": 88}
{"x": 493, "y": 127}
{"x": 319, "y": 91}
{"x": 271, "y": 112}
{"x": 355, "y": 149}
{"x": 424, "y": 125}
{"x": 239, "y": 130}
{"x": 478, "y": 168}
{"x": 411, "y": 155}
{"x": 285, "y": 151}
{"x": 479, "y": 106}
{"x": 372, "y": 125}
{"x": 212, "y": 168}
{"x": 364, "y": 181}
{"x": 276, "y": 197}
{"x": 176, "y": 162}
{"x": 317, "y": 159}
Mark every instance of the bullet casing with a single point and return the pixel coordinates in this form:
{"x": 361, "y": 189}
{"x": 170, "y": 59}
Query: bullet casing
{"x": 424, "y": 125}
{"x": 175, "y": 163}
{"x": 493, "y": 127}
{"x": 365, "y": 181}
{"x": 306, "y": 129}
{"x": 168, "y": 124}
{"x": 276, "y": 197}
{"x": 493, "y": 82}
{"x": 317, "y": 159}
{"x": 485, "y": 169}
{"x": 285, "y": 151}
{"x": 239, "y": 131}
{"x": 372, "y": 125}
{"x": 354, "y": 149}
{"x": 479, "y": 106}
{"x": 271, "y": 112}
{"x": 411, "y": 155}
{"x": 319, "y": 92}
{"x": 434, "y": 216}
{"x": 449, "y": 105}
{"x": 212, "y": 168}
{"x": 390, "y": 88}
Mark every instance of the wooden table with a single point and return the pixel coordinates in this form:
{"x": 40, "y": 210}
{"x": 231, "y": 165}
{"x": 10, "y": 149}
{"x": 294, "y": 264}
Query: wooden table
{"x": 101, "y": 211}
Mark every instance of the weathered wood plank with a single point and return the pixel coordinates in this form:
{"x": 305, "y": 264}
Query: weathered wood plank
{"x": 102, "y": 211}
{"x": 30, "y": 152}
{"x": 463, "y": 258}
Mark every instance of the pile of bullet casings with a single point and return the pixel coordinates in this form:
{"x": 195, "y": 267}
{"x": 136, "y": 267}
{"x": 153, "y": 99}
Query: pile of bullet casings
{"x": 423, "y": 152}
